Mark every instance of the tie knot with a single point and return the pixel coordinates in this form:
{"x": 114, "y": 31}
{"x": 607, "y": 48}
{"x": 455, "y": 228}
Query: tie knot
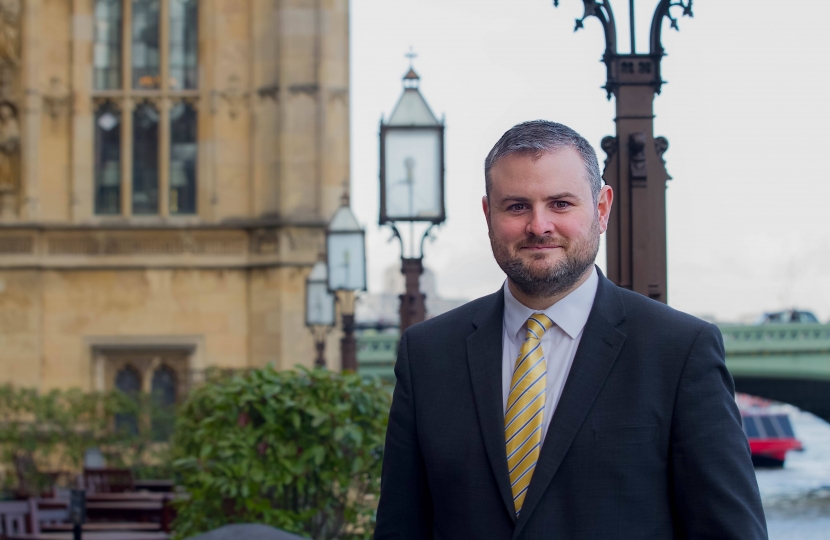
{"x": 537, "y": 325}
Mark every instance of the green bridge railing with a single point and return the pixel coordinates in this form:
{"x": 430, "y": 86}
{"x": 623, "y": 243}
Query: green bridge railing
{"x": 793, "y": 350}
{"x": 799, "y": 351}
{"x": 376, "y": 354}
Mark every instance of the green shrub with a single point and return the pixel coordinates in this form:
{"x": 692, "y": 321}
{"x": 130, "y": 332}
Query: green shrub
{"x": 50, "y": 431}
{"x": 298, "y": 450}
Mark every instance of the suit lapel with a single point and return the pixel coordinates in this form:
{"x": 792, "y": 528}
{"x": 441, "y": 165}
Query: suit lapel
{"x": 598, "y": 349}
{"x": 484, "y": 355}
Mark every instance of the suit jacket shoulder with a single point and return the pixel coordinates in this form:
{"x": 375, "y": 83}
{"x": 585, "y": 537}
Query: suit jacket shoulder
{"x": 658, "y": 319}
{"x": 456, "y": 322}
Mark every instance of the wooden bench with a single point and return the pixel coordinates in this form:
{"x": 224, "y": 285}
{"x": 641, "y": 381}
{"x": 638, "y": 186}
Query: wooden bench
{"x": 108, "y": 480}
{"x": 93, "y": 535}
{"x": 16, "y": 518}
{"x": 45, "y": 518}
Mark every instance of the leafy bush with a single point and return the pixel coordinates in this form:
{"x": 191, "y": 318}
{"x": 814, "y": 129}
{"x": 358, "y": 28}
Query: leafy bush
{"x": 52, "y": 430}
{"x": 298, "y": 450}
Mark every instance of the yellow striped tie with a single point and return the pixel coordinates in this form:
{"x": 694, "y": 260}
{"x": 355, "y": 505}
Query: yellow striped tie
{"x": 523, "y": 419}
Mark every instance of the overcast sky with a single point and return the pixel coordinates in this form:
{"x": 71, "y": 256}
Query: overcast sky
{"x": 745, "y": 111}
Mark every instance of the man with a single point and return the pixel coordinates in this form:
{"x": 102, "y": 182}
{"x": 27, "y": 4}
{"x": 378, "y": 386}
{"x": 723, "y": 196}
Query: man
{"x": 562, "y": 406}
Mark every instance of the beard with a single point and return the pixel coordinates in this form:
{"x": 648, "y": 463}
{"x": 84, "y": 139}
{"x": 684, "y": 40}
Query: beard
{"x": 553, "y": 280}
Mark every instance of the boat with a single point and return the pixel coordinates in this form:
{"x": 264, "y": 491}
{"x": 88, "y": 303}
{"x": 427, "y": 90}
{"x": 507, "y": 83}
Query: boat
{"x": 770, "y": 437}
{"x": 769, "y": 431}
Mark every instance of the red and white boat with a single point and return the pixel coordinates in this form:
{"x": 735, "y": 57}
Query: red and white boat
{"x": 769, "y": 431}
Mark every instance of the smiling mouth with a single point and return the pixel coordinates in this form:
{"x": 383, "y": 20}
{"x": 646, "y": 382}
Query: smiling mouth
{"x": 541, "y": 248}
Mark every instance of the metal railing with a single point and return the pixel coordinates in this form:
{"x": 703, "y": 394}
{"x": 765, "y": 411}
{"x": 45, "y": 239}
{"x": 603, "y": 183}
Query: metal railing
{"x": 774, "y": 338}
{"x": 376, "y": 354}
{"x": 798, "y": 350}
{"x": 794, "y": 351}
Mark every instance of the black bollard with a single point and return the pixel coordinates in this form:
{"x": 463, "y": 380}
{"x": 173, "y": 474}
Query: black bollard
{"x": 77, "y": 512}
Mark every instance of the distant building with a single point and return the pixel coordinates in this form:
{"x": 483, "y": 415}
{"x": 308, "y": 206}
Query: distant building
{"x": 384, "y": 307}
{"x": 377, "y": 348}
{"x": 167, "y": 168}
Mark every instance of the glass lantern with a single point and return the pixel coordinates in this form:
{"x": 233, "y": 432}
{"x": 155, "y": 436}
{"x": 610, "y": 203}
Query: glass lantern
{"x": 412, "y": 160}
{"x": 319, "y": 301}
{"x": 346, "y": 252}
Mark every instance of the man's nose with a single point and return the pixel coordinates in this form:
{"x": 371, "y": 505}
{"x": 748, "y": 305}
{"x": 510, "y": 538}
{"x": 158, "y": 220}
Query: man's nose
{"x": 540, "y": 224}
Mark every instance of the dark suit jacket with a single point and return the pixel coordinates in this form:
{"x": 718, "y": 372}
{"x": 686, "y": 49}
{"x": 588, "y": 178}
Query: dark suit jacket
{"x": 646, "y": 441}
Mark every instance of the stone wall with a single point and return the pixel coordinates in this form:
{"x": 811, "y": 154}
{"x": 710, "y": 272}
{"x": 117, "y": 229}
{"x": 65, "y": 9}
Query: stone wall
{"x": 225, "y": 287}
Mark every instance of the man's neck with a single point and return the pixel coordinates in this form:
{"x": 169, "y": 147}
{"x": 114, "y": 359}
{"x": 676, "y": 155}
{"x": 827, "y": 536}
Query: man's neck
{"x": 544, "y": 302}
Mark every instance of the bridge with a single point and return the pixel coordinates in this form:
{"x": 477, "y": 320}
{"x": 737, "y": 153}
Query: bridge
{"x": 783, "y": 362}
{"x": 376, "y": 353}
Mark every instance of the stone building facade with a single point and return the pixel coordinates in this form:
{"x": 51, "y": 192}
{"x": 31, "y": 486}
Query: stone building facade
{"x": 167, "y": 168}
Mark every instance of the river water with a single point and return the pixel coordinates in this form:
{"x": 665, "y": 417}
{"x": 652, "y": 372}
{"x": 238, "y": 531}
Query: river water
{"x": 797, "y": 497}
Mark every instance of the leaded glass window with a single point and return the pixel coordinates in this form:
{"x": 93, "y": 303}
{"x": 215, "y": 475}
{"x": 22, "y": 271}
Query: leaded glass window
{"x": 183, "y": 159}
{"x": 137, "y": 44}
{"x": 128, "y": 381}
{"x": 146, "y": 61}
{"x": 184, "y": 44}
{"x": 108, "y": 160}
{"x": 106, "y": 50}
{"x": 164, "y": 399}
{"x": 145, "y": 159}
{"x": 164, "y": 386}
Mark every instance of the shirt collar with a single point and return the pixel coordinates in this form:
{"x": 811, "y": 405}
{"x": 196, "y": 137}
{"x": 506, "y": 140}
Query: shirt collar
{"x": 570, "y": 313}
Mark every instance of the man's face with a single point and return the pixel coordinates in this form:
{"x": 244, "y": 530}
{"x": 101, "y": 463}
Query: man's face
{"x": 544, "y": 225}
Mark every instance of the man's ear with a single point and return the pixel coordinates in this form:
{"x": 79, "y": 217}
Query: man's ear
{"x": 604, "y": 202}
{"x": 485, "y": 206}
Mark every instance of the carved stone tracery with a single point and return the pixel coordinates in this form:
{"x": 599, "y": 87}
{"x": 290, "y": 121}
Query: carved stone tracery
{"x": 9, "y": 106}
{"x": 265, "y": 241}
{"x": 661, "y": 144}
{"x": 168, "y": 243}
{"x": 17, "y": 244}
{"x": 236, "y": 98}
{"x": 609, "y": 146}
{"x": 57, "y": 100}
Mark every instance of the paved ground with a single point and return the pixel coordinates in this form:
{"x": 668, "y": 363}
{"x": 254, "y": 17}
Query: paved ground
{"x": 246, "y": 531}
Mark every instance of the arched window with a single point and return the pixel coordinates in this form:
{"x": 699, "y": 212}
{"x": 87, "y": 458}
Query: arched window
{"x": 128, "y": 381}
{"x": 164, "y": 400}
{"x": 164, "y": 386}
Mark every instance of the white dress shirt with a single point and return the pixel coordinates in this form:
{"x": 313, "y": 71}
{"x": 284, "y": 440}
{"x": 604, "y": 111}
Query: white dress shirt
{"x": 559, "y": 344}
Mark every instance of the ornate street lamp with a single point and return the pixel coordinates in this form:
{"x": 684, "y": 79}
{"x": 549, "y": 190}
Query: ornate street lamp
{"x": 319, "y": 309}
{"x": 346, "y": 258}
{"x": 634, "y": 168}
{"x": 412, "y": 185}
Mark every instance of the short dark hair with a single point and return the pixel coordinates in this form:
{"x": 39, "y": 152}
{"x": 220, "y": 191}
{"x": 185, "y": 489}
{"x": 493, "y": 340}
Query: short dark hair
{"x": 538, "y": 137}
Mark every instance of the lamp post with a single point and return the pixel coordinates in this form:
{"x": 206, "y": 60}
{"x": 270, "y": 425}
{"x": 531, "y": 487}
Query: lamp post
{"x": 346, "y": 261}
{"x": 634, "y": 167}
{"x": 319, "y": 309}
{"x": 412, "y": 186}
{"x": 77, "y": 512}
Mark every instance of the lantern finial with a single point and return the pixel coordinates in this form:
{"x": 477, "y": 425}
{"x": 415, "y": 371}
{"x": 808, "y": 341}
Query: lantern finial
{"x": 345, "y": 199}
{"x": 411, "y": 79}
{"x": 412, "y": 55}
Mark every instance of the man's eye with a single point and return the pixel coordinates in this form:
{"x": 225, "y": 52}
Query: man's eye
{"x": 516, "y": 207}
{"x": 561, "y": 204}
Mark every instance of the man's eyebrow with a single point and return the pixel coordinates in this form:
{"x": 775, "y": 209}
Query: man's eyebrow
{"x": 513, "y": 198}
{"x": 563, "y": 195}
{"x": 555, "y": 197}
